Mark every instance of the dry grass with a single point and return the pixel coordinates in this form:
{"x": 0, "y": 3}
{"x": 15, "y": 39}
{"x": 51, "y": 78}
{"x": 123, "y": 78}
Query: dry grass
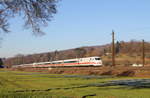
{"x": 105, "y": 70}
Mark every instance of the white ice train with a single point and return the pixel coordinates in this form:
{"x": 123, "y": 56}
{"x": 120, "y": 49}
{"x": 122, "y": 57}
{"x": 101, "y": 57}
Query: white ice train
{"x": 88, "y": 61}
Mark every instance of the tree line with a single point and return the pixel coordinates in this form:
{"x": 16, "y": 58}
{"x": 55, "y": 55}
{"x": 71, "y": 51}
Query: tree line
{"x": 132, "y": 48}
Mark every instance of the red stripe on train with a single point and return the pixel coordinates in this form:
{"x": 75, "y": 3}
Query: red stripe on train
{"x": 66, "y": 64}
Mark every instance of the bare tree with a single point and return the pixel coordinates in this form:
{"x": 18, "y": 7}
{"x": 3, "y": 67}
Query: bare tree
{"x": 35, "y": 13}
{"x": 80, "y": 52}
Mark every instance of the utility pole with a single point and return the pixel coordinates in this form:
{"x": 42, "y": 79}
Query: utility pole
{"x": 143, "y": 52}
{"x": 113, "y": 48}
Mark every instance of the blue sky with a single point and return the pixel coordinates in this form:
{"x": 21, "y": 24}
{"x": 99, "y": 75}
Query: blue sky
{"x": 82, "y": 23}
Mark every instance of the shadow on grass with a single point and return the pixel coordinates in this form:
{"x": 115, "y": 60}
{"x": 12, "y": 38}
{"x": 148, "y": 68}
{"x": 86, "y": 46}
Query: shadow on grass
{"x": 127, "y": 73}
{"x": 132, "y": 83}
{"x": 90, "y": 95}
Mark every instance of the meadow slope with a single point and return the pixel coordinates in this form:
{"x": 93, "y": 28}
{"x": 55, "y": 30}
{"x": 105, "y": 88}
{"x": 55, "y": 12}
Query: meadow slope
{"x": 17, "y": 84}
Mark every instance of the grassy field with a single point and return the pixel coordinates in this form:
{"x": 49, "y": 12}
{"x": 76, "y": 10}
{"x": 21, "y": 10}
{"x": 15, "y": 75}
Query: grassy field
{"x": 14, "y": 84}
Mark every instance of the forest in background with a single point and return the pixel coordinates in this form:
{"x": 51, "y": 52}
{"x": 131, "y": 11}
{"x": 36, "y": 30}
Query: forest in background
{"x": 127, "y": 53}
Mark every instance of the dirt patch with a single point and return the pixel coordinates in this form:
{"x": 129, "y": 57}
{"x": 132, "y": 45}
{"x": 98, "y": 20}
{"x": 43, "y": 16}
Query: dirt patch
{"x": 127, "y": 73}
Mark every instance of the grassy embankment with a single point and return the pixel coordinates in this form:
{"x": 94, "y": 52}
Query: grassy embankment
{"x": 15, "y": 84}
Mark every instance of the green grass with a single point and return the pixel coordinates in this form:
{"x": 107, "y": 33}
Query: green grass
{"x": 15, "y": 84}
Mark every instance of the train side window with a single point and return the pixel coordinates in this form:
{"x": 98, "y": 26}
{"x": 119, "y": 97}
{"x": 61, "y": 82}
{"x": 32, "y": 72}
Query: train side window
{"x": 57, "y": 62}
{"x": 92, "y": 59}
{"x": 70, "y": 62}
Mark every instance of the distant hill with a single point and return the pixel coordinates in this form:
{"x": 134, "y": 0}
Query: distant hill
{"x": 132, "y": 48}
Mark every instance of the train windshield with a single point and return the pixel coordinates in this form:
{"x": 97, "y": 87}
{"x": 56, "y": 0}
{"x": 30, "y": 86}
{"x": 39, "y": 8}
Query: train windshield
{"x": 97, "y": 59}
